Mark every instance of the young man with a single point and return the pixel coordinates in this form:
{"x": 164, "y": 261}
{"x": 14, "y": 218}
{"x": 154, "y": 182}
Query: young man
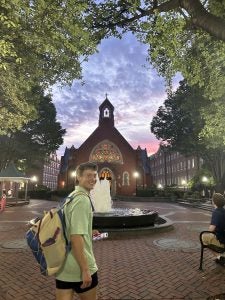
{"x": 79, "y": 272}
{"x": 217, "y": 226}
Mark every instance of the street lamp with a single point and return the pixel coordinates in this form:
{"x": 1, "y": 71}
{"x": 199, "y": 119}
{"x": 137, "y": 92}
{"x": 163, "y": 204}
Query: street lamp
{"x": 159, "y": 186}
{"x": 136, "y": 175}
{"x": 74, "y": 174}
{"x": 34, "y": 179}
{"x": 204, "y": 181}
{"x": 184, "y": 183}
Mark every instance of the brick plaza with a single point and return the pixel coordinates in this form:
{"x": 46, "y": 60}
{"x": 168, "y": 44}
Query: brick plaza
{"x": 159, "y": 265}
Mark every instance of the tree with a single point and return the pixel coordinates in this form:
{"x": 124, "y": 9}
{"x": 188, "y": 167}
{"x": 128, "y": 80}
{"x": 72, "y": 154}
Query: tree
{"x": 42, "y": 42}
{"x": 36, "y": 139}
{"x": 177, "y": 33}
{"x": 179, "y": 123}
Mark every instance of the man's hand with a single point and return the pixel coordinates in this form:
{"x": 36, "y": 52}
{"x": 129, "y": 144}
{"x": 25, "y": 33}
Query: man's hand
{"x": 95, "y": 232}
{"x": 86, "y": 278}
{"x": 212, "y": 228}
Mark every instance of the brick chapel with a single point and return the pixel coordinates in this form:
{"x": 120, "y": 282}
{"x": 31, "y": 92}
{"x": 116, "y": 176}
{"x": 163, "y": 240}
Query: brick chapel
{"x": 126, "y": 168}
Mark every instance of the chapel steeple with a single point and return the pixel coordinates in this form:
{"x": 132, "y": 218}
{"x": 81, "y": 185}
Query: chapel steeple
{"x": 106, "y": 115}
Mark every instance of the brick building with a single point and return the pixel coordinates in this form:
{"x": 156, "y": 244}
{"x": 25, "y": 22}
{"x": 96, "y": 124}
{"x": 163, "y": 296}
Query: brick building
{"x": 116, "y": 159}
{"x": 50, "y": 171}
{"x": 172, "y": 168}
{"x": 47, "y": 172}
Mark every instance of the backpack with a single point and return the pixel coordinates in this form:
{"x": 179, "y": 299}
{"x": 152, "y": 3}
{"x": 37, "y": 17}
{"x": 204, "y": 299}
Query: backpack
{"x": 47, "y": 238}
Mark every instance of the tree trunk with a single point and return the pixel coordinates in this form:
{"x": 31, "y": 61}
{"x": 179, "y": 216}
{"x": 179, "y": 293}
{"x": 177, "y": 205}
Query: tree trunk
{"x": 203, "y": 19}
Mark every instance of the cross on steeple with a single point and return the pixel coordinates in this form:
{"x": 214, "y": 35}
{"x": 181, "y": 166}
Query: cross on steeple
{"x": 106, "y": 96}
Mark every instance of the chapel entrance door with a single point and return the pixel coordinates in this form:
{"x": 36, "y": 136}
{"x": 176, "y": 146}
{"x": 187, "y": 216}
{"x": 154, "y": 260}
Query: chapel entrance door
{"x": 108, "y": 174}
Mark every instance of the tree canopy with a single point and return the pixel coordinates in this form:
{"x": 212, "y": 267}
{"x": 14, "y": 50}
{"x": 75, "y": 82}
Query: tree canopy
{"x": 44, "y": 42}
{"x": 36, "y": 139}
{"x": 180, "y": 124}
{"x": 184, "y": 36}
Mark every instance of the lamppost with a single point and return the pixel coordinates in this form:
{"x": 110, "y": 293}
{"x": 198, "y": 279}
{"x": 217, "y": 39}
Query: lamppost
{"x": 159, "y": 186}
{"x": 184, "y": 183}
{"x": 136, "y": 175}
{"x": 205, "y": 180}
{"x": 34, "y": 179}
{"x": 74, "y": 174}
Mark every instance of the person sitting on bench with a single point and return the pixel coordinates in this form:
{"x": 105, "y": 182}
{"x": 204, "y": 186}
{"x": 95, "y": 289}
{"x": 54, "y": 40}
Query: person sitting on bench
{"x": 217, "y": 226}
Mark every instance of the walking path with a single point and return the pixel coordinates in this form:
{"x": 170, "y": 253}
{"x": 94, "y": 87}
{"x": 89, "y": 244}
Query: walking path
{"x": 153, "y": 266}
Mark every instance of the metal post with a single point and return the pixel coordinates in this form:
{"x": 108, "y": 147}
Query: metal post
{"x": 136, "y": 186}
{"x": 26, "y": 190}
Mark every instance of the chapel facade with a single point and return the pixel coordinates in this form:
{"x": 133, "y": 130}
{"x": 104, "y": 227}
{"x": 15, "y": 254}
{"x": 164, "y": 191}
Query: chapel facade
{"x": 126, "y": 168}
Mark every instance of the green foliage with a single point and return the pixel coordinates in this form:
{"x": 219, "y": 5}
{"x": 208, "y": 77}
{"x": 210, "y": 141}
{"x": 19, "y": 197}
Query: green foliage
{"x": 35, "y": 140}
{"x": 214, "y": 129}
{"x": 43, "y": 194}
{"x": 179, "y": 37}
{"x": 42, "y": 42}
{"x": 178, "y": 122}
{"x": 196, "y": 182}
{"x": 174, "y": 49}
{"x": 181, "y": 124}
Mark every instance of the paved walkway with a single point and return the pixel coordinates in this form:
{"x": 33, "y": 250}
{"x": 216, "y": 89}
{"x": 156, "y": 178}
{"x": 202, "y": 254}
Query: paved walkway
{"x": 156, "y": 266}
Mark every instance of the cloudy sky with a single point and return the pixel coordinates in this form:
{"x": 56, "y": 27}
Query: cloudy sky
{"x": 119, "y": 69}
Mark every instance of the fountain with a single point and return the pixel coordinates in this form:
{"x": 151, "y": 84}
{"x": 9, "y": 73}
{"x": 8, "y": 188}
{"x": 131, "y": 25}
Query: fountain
{"x": 107, "y": 217}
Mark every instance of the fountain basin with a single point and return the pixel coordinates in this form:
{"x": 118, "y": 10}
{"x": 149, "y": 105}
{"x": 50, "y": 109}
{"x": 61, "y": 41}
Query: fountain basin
{"x": 124, "y": 218}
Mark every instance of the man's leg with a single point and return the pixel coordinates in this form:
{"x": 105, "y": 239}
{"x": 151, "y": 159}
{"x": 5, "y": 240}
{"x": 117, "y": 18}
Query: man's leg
{"x": 210, "y": 239}
{"x": 89, "y": 295}
{"x": 62, "y": 294}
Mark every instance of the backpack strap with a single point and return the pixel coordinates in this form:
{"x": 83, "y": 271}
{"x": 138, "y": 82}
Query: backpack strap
{"x": 73, "y": 195}
{"x": 70, "y": 199}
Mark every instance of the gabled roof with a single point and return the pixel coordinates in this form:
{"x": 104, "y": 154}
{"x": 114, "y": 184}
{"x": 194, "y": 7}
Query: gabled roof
{"x": 11, "y": 173}
{"x": 106, "y": 102}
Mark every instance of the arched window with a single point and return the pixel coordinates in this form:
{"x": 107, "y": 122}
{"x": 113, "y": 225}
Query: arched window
{"x": 106, "y": 113}
{"x": 106, "y": 151}
{"x": 126, "y": 179}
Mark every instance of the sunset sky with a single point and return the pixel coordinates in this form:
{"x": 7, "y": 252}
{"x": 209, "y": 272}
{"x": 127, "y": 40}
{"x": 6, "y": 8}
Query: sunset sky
{"x": 119, "y": 69}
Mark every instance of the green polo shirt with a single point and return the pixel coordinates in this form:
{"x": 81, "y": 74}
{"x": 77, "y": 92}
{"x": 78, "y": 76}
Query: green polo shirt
{"x": 79, "y": 217}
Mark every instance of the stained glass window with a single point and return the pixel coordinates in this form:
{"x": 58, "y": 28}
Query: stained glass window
{"x": 106, "y": 152}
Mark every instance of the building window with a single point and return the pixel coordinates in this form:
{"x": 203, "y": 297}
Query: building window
{"x": 126, "y": 179}
{"x": 193, "y": 162}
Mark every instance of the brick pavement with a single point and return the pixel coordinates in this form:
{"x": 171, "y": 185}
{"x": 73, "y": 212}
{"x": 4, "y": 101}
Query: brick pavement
{"x": 132, "y": 267}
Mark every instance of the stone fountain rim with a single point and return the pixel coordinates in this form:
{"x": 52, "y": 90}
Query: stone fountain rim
{"x": 110, "y": 214}
{"x": 168, "y": 225}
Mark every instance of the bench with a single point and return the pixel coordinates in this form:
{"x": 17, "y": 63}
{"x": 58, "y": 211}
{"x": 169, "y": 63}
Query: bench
{"x": 211, "y": 247}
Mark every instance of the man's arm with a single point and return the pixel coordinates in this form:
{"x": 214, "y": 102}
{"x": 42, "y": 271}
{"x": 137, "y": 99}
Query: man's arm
{"x": 214, "y": 221}
{"x": 77, "y": 243}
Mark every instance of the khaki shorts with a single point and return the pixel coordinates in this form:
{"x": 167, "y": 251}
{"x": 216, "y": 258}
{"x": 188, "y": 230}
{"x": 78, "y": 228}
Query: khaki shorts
{"x": 210, "y": 239}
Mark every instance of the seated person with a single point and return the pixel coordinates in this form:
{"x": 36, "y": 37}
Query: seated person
{"x": 217, "y": 226}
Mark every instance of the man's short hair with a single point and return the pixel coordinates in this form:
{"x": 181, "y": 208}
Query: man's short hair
{"x": 86, "y": 166}
{"x": 218, "y": 200}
